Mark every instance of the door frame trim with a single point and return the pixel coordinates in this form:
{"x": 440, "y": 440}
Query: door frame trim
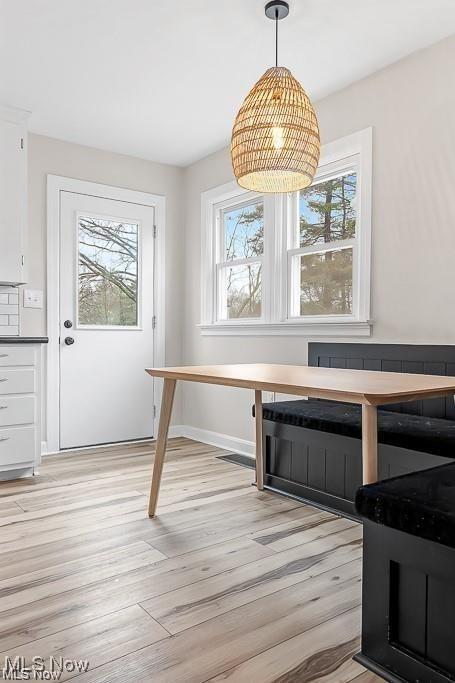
{"x": 55, "y": 186}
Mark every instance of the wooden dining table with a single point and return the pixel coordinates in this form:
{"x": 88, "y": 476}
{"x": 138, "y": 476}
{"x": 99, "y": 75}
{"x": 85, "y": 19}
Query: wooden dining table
{"x": 370, "y": 389}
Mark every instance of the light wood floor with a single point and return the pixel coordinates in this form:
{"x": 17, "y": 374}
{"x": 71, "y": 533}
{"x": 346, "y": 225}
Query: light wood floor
{"x": 226, "y": 584}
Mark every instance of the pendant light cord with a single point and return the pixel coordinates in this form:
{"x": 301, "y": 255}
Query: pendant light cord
{"x": 276, "y": 36}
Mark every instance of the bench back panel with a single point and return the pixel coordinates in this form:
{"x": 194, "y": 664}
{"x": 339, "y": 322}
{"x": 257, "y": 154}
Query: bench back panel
{"x": 418, "y": 359}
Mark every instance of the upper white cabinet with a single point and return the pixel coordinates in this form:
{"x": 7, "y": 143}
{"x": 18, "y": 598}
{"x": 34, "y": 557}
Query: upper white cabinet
{"x": 13, "y": 194}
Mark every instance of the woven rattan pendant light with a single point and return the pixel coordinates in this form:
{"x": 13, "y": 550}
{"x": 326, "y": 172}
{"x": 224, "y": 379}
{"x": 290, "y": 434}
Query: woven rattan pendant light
{"x": 275, "y": 139}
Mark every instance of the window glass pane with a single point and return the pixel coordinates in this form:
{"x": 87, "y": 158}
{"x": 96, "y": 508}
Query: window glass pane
{"x": 241, "y": 287}
{"x": 107, "y": 272}
{"x": 326, "y": 283}
{"x": 243, "y": 231}
{"x": 327, "y": 211}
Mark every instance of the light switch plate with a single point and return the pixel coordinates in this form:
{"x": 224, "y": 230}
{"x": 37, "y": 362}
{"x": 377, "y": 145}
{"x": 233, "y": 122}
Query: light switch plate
{"x": 33, "y": 298}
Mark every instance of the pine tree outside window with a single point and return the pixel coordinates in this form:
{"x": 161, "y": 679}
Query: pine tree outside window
{"x": 322, "y": 260}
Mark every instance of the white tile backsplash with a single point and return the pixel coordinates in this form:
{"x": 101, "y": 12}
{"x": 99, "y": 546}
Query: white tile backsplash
{"x": 9, "y": 311}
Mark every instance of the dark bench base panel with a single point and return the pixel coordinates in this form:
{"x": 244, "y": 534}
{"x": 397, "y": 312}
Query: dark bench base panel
{"x": 326, "y": 469}
{"x": 408, "y": 615}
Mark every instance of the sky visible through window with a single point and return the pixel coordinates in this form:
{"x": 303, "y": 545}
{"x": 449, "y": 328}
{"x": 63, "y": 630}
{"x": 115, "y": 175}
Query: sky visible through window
{"x": 244, "y": 231}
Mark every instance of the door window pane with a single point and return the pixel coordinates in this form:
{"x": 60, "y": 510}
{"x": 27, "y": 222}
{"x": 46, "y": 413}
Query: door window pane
{"x": 327, "y": 211}
{"x": 241, "y": 289}
{"x": 326, "y": 283}
{"x": 243, "y": 231}
{"x": 107, "y": 272}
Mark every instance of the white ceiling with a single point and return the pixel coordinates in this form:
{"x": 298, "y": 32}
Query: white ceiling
{"x": 162, "y": 80}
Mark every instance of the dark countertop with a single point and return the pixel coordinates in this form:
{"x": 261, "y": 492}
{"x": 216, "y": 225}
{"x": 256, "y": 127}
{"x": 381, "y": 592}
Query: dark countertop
{"x": 24, "y": 340}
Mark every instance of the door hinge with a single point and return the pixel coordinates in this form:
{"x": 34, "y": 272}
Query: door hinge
{"x": 23, "y": 260}
{"x": 154, "y": 322}
{"x": 22, "y": 143}
{"x": 154, "y": 232}
{"x": 154, "y": 411}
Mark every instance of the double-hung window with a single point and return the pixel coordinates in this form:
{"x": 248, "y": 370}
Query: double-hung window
{"x": 296, "y": 263}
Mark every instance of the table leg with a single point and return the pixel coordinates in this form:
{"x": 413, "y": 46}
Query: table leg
{"x": 167, "y": 400}
{"x": 259, "y": 453}
{"x": 369, "y": 444}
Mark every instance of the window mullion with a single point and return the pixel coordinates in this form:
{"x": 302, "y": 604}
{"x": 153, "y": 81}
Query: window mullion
{"x": 240, "y": 261}
{"x": 322, "y": 247}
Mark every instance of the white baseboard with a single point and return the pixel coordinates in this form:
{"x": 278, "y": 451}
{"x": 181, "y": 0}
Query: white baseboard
{"x": 225, "y": 441}
{"x": 175, "y": 431}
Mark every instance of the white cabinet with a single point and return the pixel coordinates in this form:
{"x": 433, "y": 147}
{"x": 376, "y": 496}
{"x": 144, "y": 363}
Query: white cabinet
{"x": 13, "y": 195}
{"x": 20, "y": 408}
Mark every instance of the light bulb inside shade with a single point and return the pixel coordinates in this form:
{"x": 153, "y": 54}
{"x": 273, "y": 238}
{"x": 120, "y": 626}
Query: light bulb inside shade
{"x": 277, "y": 137}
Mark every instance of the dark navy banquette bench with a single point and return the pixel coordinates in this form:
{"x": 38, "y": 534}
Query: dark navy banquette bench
{"x": 313, "y": 447}
{"x": 408, "y": 604}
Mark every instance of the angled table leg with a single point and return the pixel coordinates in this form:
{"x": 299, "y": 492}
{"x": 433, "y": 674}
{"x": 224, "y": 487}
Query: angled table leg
{"x": 259, "y": 453}
{"x": 369, "y": 444}
{"x": 167, "y": 400}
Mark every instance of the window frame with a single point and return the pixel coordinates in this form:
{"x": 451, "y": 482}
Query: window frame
{"x": 353, "y": 152}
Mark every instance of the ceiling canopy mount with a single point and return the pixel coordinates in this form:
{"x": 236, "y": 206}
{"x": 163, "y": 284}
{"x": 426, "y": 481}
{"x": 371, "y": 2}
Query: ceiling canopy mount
{"x": 277, "y": 9}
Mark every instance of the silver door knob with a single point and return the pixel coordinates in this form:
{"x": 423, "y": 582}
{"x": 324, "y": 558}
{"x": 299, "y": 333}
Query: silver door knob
{"x": 69, "y": 341}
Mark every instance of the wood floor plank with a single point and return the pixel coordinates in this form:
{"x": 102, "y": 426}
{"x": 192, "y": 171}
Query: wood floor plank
{"x": 344, "y": 673}
{"x": 9, "y": 508}
{"x": 53, "y": 510}
{"x": 215, "y": 646}
{"x": 25, "y": 623}
{"x": 133, "y": 527}
{"x": 98, "y": 641}
{"x": 367, "y": 677}
{"x": 176, "y": 542}
{"x": 227, "y": 583}
{"x": 314, "y": 655}
{"x": 188, "y": 606}
{"x": 291, "y": 534}
{"x": 42, "y": 583}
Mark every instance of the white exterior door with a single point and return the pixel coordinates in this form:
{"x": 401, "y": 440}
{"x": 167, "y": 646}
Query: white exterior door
{"x": 106, "y": 320}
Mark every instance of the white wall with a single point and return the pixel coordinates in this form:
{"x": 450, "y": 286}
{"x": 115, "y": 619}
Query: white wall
{"x": 410, "y": 106}
{"x": 47, "y": 155}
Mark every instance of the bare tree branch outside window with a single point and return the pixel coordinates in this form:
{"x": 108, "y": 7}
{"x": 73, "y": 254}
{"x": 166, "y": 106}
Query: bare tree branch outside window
{"x": 244, "y": 239}
{"x": 107, "y": 272}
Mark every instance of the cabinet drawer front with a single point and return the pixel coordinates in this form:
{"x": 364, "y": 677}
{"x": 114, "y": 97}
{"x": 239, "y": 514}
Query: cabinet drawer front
{"x": 17, "y": 381}
{"x": 17, "y": 446}
{"x": 11, "y": 355}
{"x": 17, "y": 411}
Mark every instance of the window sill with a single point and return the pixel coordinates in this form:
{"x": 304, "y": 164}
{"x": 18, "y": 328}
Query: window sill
{"x": 293, "y": 329}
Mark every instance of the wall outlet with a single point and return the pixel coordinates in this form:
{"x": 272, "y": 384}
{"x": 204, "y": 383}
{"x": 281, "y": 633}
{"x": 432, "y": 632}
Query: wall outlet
{"x": 33, "y": 298}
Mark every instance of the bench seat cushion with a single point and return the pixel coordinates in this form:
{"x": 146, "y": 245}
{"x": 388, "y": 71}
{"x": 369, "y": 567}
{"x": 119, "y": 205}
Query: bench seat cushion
{"x": 414, "y": 432}
{"x": 420, "y": 503}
